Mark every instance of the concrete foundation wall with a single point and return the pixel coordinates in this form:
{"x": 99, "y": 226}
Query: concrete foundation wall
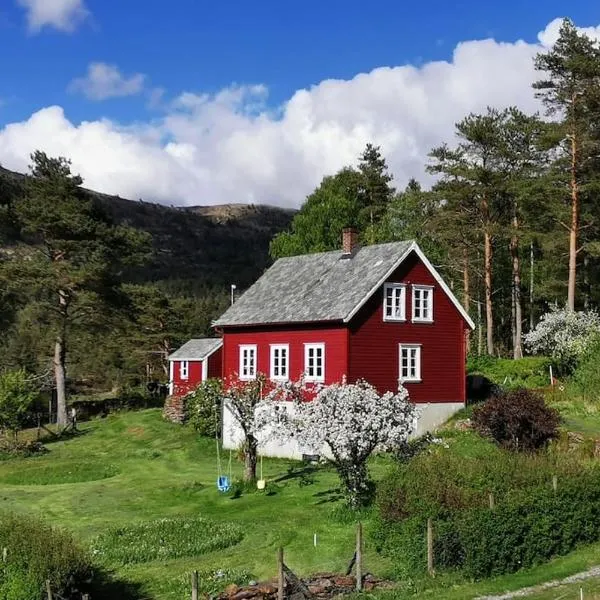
{"x": 432, "y": 416}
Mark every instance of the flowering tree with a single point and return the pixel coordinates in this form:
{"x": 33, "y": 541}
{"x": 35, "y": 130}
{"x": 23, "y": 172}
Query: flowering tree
{"x": 252, "y": 409}
{"x": 352, "y": 421}
{"x": 564, "y": 335}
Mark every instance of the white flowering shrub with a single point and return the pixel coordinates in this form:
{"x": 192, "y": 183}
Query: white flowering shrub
{"x": 352, "y": 421}
{"x": 564, "y": 335}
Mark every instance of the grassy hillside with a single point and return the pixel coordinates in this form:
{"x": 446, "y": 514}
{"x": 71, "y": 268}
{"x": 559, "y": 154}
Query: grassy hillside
{"x": 195, "y": 247}
{"x": 135, "y": 468}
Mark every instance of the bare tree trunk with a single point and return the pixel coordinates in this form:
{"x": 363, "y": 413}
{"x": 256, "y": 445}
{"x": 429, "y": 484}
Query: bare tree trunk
{"x": 466, "y": 294}
{"x": 586, "y": 283}
{"x": 516, "y": 291}
{"x": 60, "y": 371}
{"x": 479, "y": 331}
{"x": 251, "y": 448}
{"x": 489, "y": 310}
{"x": 574, "y": 228}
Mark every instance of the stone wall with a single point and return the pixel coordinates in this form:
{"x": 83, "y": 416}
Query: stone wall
{"x": 175, "y": 409}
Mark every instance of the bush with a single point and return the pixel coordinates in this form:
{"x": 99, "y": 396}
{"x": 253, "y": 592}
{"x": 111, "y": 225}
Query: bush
{"x": 129, "y": 399}
{"x": 36, "y": 553}
{"x": 164, "y": 539}
{"x": 528, "y": 372}
{"x": 17, "y": 394}
{"x": 586, "y": 378}
{"x": 203, "y": 407}
{"x": 529, "y": 525}
{"x": 517, "y": 420}
{"x": 564, "y": 335}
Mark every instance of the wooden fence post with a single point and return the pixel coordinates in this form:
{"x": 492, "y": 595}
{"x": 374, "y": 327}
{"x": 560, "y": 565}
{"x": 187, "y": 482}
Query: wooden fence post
{"x": 195, "y": 585}
{"x": 359, "y": 558}
{"x": 280, "y": 576}
{"x": 430, "y": 546}
{"x": 554, "y": 482}
{"x": 491, "y": 499}
{"x": 48, "y": 589}
{"x": 4, "y": 554}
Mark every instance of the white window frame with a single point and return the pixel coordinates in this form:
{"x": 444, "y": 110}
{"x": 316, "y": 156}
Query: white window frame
{"x": 416, "y": 378}
{"x": 397, "y": 288}
{"x": 307, "y": 349}
{"x": 184, "y": 369}
{"x": 279, "y": 348}
{"x": 422, "y": 288}
{"x": 251, "y": 374}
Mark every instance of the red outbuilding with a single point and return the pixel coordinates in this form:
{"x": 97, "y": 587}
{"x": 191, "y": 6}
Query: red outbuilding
{"x": 380, "y": 313}
{"x": 193, "y": 363}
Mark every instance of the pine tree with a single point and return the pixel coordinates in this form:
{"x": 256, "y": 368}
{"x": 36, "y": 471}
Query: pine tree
{"x": 73, "y": 273}
{"x": 571, "y": 92}
{"x": 374, "y": 192}
{"x": 478, "y": 164}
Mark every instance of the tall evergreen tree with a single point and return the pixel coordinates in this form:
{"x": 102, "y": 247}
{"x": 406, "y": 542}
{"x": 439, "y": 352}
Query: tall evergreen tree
{"x": 375, "y": 191}
{"x": 571, "y": 93}
{"x": 478, "y": 164}
{"x": 73, "y": 271}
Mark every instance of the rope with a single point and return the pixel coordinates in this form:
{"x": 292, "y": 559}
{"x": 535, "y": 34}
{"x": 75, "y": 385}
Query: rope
{"x": 219, "y": 471}
{"x": 230, "y": 455}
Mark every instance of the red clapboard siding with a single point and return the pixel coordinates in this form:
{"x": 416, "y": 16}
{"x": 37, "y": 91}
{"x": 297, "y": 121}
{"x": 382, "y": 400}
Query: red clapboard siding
{"x": 215, "y": 363}
{"x": 374, "y": 343}
{"x": 183, "y": 386}
{"x": 334, "y": 337}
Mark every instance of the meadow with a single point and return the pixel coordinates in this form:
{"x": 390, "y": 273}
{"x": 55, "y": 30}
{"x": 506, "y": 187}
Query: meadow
{"x": 140, "y": 493}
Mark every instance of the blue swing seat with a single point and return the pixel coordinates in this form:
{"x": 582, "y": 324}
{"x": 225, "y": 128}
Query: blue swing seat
{"x": 223, "y": 484}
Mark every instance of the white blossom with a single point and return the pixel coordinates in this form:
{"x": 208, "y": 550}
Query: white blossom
{"x": 352, "y": 421}
{"x": 563, "y": 334}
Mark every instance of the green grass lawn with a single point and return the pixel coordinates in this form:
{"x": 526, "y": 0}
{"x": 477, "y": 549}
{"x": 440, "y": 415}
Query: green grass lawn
{"x": 131, "y": 469}
{"x": 135, "y": 467}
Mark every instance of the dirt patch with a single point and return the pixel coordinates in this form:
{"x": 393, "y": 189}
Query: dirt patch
{"x": 138, "y": 432}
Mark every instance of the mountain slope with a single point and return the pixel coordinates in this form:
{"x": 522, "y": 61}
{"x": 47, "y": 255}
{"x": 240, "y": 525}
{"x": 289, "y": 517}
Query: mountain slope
{"x": 195, "y": 247}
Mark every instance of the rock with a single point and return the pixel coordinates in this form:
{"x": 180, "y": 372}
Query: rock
{"x": 344, "y": 581}
{"x": 230, "y": 590}
{"x": 245, "y": 594}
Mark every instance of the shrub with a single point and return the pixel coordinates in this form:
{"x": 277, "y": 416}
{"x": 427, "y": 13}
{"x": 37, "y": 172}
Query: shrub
{"x": 564, "y": 335}
{"x": 164, "y": 539}
{"x": 586, "y": 378}
{"x": 517, "y": 420}
{"x": 203, "y": 407}
{"x": 35, "y": 553}
{"x": 530, "y": 524}
{"x": 16, "y": 397}
{"x": 527, "y": 372}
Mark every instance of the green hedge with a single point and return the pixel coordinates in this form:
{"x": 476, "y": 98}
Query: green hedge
{"x": 529, "y": 525}
{"x": 528, "y": 372}
{"x": 37, "y": 552}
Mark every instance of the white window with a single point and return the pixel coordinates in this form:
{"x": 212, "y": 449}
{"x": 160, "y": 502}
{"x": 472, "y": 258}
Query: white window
{"x": 280, "y": 362}
{"x": 410, "y": 362}
{"x": 422, "y": 303}
{"x": 248, "y": 362}
{"x": 184, "y": 369}
{"x": 314, "y": 362}
{"x": 394, "y": 302}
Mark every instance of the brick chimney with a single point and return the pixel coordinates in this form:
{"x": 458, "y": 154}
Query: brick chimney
{"x": 349, "y": 241}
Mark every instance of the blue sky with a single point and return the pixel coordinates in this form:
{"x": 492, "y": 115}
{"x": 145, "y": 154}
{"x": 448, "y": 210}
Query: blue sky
{"x": 205, "y": 47}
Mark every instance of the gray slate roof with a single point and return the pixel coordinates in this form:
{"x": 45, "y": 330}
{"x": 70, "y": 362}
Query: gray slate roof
{"x": 314, "y": 287}
{"x": 197, "y": 349}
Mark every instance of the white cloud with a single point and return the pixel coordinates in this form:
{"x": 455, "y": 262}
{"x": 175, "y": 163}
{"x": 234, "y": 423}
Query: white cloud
{"x": 64, "y": 15}
{"x": 230, "y": 147}
{"x": 104, "y": 81}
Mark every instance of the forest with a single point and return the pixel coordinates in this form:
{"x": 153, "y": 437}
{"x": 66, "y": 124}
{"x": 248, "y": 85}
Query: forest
{"x": 96, "y": 291}
{"x": 512, "y": 218}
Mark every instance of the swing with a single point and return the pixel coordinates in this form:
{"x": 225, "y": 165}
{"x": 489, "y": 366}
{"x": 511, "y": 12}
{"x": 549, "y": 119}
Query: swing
{"x": 260, "y": 484}
{"x": 223, "y": 481}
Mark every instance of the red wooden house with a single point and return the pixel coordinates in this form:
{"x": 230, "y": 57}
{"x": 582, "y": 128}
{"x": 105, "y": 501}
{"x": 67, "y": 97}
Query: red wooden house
{"x": 193, "y": 363}
{"x": 380, "y": 313}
